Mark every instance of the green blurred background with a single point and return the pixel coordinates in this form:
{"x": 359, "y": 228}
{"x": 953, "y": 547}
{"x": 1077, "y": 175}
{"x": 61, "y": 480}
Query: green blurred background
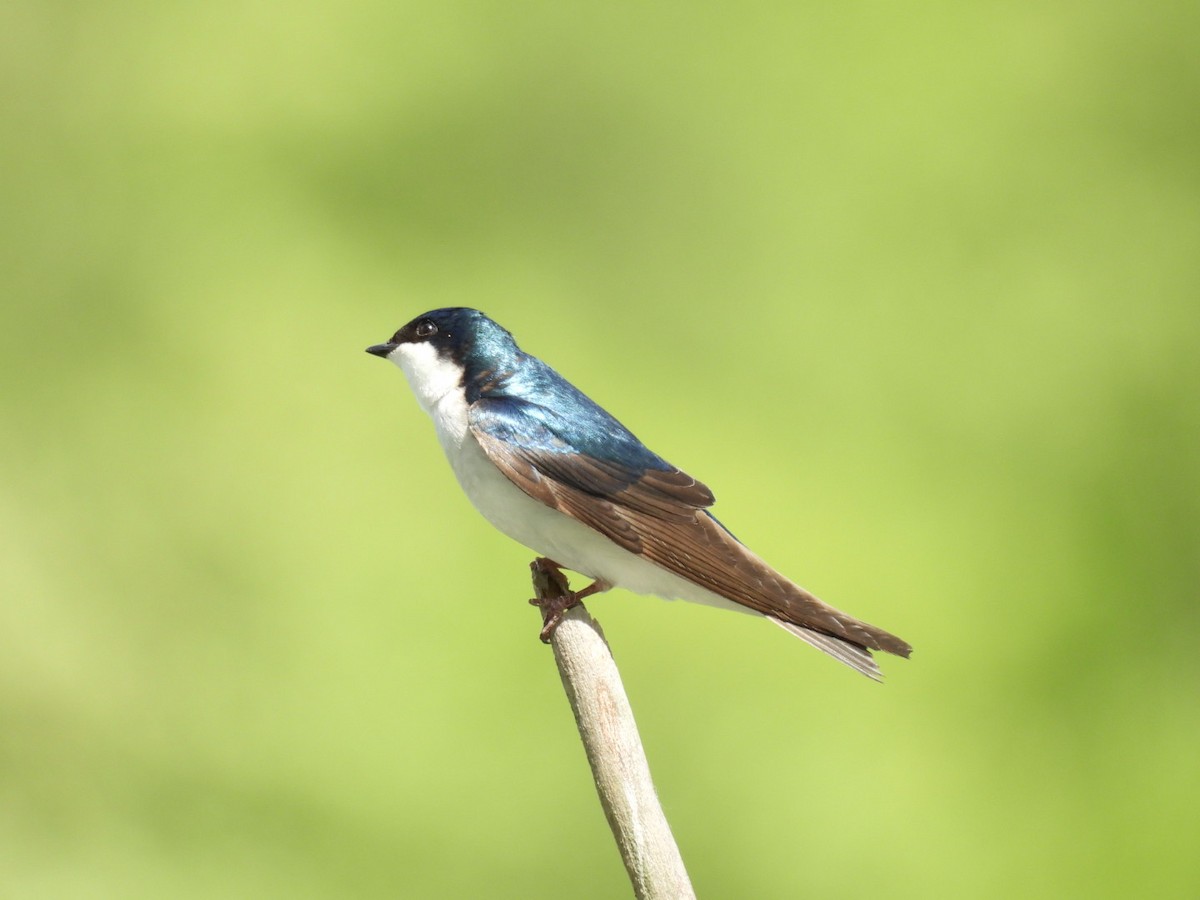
{"x": 914, "y": 288}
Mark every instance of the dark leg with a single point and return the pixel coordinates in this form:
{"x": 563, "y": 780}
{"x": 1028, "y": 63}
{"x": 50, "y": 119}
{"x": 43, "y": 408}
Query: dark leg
{"x": 554, "y": 594}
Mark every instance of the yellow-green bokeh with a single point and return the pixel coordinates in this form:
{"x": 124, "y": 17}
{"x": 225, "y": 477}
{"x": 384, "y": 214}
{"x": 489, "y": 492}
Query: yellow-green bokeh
{"x": 914, "y": 288}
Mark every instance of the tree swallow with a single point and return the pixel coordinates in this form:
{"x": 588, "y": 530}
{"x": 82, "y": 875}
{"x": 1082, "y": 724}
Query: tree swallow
{"x": 548, "y": 467}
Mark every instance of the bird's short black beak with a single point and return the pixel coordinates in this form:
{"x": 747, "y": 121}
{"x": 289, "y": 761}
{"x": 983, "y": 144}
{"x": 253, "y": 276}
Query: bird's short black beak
{"x": 382, "y": 349}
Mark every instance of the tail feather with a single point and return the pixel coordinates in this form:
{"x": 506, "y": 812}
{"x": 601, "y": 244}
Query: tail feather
{"x": 851, "y": 654}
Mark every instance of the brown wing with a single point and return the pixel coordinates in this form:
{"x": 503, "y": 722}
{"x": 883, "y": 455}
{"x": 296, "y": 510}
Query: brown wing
{"x": 660, "y": 515}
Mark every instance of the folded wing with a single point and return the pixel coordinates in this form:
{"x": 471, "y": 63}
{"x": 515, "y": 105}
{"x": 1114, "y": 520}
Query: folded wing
{"x": 651, "y": 508}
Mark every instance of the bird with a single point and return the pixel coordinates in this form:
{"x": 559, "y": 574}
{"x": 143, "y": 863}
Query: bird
{"x": 553, "y": 470}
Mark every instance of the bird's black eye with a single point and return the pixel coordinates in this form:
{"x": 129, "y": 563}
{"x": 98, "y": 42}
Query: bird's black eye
{"x": 426, "y": 329}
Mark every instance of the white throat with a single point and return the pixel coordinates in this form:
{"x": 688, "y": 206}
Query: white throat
{"x": 430, "y": 375}
{"x": 437, "y": 384}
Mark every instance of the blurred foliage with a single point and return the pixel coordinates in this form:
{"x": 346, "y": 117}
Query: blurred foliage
{"x": 914, "y": 288}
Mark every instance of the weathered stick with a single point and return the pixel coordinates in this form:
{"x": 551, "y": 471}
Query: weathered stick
{"x": 614, "y": 748}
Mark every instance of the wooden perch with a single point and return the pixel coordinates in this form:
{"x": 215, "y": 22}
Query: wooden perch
{"x": 613, "y": 746}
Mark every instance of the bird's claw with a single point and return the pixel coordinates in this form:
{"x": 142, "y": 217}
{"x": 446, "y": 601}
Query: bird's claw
{"x": 554, "y": 595}
{"x": 553, "y": 609}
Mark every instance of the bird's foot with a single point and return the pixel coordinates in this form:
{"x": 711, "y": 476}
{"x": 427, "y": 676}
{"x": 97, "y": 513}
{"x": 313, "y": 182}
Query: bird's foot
{"x": 553, "y": 609}
{"x": 554, "y": 594}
